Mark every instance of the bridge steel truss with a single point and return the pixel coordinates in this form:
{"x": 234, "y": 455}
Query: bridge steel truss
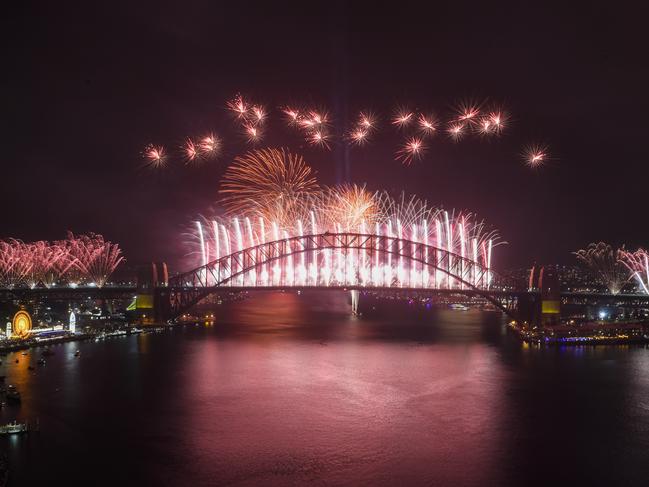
{"x": 337, "y": 260}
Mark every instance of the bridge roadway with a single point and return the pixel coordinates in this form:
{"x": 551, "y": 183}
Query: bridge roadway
{"x": 124, "y": 292}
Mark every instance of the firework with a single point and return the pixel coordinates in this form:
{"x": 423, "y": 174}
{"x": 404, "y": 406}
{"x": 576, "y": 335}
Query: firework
{"x": 85, "y": 258}
{"x": 155, "y": 155}
{"x": 266, "y": 182}
{"x": 411, "y": 150}
{"x": 535, "y": 155}
{"x": 403, "y": 118}
{"x": 351, "y": 209}
{"x": 426, "y": 124}
{"x": 292, "y": 115}
{"x": 253, "y": 133}
{"x": 467, "y": 112}
{"x": 605, "y": 262}
{"x": 367, "y": 121}
{"x": 238, "y": 106}
{"x": 209, "y": 145}
{"x": 358, "y": 136}
{"x": 456, "y": 131}
{"x": 190, "y": 150}
{"x": 258, "y": 114}
{"x": 318, "y": 138}
{"x": 637, "y": 263}
{"x": 497, "y": 121}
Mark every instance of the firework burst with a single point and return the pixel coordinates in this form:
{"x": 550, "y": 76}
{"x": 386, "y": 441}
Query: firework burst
{"x": 266, "y": 182}
{"x": 403, "y": 117}
{"x": 605, "y": 262}
{"x": 535, "y": 155}
{"x": 412, "y": 150}
{"x": 155, "y": 155}
{"x": 427, "y": 124}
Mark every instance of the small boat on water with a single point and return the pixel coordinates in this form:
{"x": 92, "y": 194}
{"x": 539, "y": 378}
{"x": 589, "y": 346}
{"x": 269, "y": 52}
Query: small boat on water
{"x": 23, "y": 353}
{"x": 77, "y": 353}
{"x": 14, "y": 428}
{"x": 459, "y": 307}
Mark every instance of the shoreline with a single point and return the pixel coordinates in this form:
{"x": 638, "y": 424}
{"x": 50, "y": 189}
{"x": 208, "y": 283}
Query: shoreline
{"x": 587, "y": 334}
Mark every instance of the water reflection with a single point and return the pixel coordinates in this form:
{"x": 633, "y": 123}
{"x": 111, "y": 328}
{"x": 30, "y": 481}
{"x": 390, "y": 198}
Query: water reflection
{"x": 286, "y": 389}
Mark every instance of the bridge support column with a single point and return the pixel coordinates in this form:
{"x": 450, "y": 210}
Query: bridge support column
{"x": 152, "y": 305}
{"x": 355, "y": 299}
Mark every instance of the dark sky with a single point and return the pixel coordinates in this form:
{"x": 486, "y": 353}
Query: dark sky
{"x": 85, "y": 87}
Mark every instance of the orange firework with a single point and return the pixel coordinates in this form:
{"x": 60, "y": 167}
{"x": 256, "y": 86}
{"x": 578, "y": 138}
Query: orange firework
{"x": 268, "y": 183}
{"x": 350, "y": 206}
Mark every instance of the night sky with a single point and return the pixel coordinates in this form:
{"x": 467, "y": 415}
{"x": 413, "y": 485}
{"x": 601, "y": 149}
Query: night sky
{"x": 86, "y": 87}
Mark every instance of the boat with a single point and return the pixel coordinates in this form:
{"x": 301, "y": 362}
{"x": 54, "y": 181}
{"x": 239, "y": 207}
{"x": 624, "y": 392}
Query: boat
{"x": 16, "y": 360}
{"x": 77, "y": 353}
{"x": 23, "y": 353}
{"x": 13, "y": 428}
{"x": 459, "y": 307}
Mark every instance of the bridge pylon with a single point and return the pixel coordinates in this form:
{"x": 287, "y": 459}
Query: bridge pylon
{"x": 152, "y": 294}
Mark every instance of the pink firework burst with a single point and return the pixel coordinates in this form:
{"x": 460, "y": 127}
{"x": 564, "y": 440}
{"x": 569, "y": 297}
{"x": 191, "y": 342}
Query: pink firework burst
{"x": 209, "y": 146}
{"x": 402, "y": 118}
{"x": 456, "y": 131}
{"x": 535, "y": 155}
{"x": 155, "y": 155}
{"x": 238, "y": 106}
{"x": 426, "y": 124}
{"x": 412, "y": 150}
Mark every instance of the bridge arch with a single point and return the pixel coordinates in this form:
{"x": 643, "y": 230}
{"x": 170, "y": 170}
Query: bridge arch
{"x": 334, "y": 261}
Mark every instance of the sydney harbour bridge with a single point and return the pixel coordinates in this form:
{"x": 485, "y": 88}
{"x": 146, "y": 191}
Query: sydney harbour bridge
{"x": 355, "y": 262}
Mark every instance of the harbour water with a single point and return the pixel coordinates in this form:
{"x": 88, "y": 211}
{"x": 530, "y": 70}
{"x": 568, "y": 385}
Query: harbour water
{"x": 284, "y": 389}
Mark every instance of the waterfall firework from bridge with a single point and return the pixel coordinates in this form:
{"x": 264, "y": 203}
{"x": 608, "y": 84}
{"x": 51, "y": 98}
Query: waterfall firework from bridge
{"x": 281, "y": 229}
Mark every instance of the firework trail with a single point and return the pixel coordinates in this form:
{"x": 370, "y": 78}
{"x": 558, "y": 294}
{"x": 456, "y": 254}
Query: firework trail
{"x": 605, "y": 262}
